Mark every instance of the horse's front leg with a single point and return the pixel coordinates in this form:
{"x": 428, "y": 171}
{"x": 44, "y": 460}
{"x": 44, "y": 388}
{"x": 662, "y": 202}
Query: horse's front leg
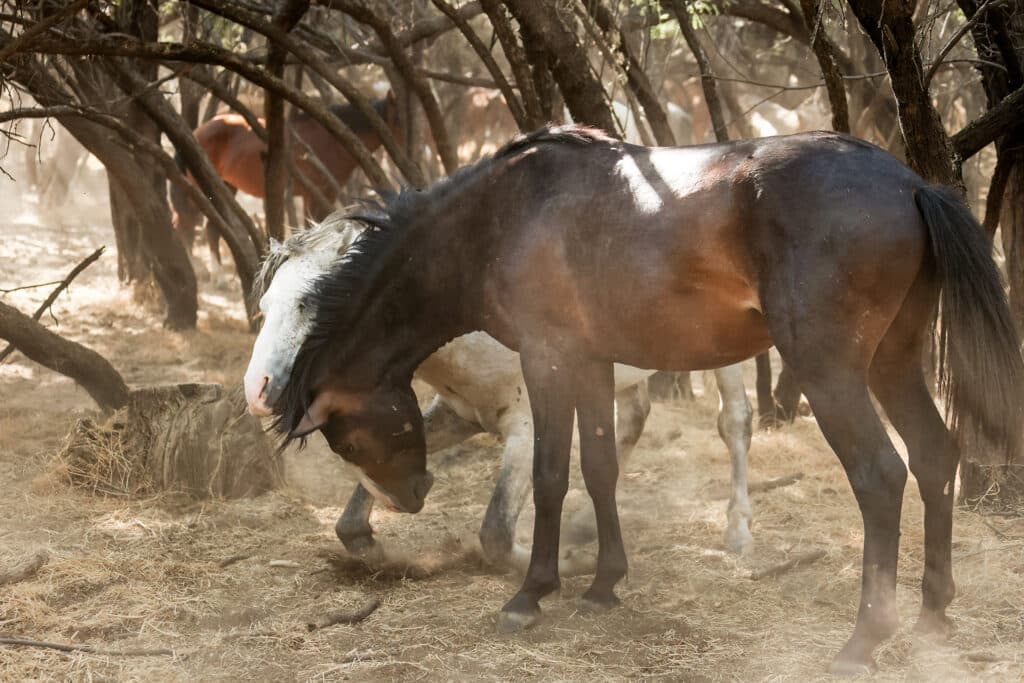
{"x": 632, "y": 407}
{"x": 595, "y": 410}
{"x": 735, "y": 425}
{"x": 550, "y": 383}
{"x": 353, "y": 527}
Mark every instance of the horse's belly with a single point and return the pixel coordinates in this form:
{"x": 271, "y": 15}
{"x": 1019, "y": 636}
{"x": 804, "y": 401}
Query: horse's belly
{"x": 693, "y": 335}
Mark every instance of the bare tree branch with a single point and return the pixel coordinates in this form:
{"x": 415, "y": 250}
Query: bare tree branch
{"x": 707, "y": 80}
{"x": 997, "y": 121}
{"x": 363, "y": 14}
{"x": 515, "y": 107}
{"x": 38, "y": 29}
{"x": 61, "y": 286}
{"x": 516, "y": 56}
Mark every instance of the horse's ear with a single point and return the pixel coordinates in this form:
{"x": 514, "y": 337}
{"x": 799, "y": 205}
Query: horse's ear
{"x": 390, "y": 97}
{"x": 275, "y": 245}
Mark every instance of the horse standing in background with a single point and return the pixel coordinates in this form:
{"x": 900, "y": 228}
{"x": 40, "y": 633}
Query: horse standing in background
{"x": 238, "y": 156}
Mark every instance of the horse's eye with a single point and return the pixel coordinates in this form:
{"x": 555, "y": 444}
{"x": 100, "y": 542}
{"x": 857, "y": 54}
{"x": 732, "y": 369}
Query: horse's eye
{"x": 348, "y": 449}
{"x": 302, "y": 307}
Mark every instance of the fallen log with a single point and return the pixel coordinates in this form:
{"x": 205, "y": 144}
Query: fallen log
{"x": 89, "y": 369}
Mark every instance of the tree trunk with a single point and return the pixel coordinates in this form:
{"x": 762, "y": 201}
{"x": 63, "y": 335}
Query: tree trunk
{"x": 89, "y": 369}
{"x": 569, "y": 64}
{"x": 190, "y": 92}
{"x": 825, "y": 52}
{"x": 278, "y": 144}
{"x": 132, "y": 265}
{"x": 891, "y": 28}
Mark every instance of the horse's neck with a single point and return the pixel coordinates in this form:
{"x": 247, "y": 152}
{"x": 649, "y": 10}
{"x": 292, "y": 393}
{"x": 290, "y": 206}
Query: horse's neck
{"x": 445, "y": 283}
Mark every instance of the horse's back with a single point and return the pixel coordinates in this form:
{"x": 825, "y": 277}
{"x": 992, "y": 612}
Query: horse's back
{"x": 677, "y": 243}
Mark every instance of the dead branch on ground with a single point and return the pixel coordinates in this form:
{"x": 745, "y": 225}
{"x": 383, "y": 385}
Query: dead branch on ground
{"x": 345, "y": 616}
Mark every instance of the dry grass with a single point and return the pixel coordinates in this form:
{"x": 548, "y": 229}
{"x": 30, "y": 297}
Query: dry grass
{"x": 129, "y": 572}
{"x": 94, "y": 458}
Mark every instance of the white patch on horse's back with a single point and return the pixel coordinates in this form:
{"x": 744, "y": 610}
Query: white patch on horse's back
{"x": 680, "y": 170}
{"x": 645, "y": 197}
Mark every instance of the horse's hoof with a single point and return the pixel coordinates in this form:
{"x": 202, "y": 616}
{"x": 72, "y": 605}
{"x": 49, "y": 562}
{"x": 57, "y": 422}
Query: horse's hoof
{"x": 738, "y": 542}
{"x": 364, "y": 547}
{"x": 590, "y": 604}
{"x": 851, "y": 666}
{"x": 934, "y": 625}
{"x": 515, "y": 622}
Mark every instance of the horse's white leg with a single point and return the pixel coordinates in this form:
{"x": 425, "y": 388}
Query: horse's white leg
{"x": 735, "y": 419}
{"x": 632, "y": 406}
{"x": 497, "y": 533}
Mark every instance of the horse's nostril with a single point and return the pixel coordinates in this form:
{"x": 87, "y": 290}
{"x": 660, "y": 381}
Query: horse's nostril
{"x": 422, "y": 487}
{"x": 263, "y": 385}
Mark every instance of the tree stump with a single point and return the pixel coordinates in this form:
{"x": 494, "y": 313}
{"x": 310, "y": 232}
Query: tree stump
{"x": 195, "y": 439}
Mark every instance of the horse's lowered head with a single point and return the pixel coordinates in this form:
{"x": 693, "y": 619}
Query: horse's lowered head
{"x": 376, "y": 427}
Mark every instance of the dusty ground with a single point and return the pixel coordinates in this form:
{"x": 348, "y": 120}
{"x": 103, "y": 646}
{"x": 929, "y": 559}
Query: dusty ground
{"x": 146, "y": 573}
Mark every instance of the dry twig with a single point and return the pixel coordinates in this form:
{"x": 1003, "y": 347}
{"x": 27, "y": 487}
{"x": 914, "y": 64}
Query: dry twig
{"x": 61, "y": 286}
{"x": 345, "y": 616}
{"x": 26, "y": 642}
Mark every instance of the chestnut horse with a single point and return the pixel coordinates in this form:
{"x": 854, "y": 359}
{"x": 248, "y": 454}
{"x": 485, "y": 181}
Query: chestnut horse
{"x": 579, "y": 251}
{"x": 238, "y": 155}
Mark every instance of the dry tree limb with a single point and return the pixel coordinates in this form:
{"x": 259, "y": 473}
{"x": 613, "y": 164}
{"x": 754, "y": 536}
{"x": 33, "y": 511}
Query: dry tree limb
{"x": 228, "y": 561}
{"x": 345, "y": 616}
{"x": 89, "y": 649}
{"x": 90, "y": 370}
{"x": 806, "y": 558}
{"x": 762, "y": 486}
{"x": 26, "y": 570}
{"x": 43, "y": 26}
{"x": 61, "y": 286}
{"x": 285, "y": 564}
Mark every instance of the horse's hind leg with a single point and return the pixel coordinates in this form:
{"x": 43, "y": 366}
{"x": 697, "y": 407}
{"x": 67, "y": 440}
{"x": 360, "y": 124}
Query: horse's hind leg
{"x": 841, "y": 403}
{"x": 898, "y": 381}
{"x": 735, "y": 424}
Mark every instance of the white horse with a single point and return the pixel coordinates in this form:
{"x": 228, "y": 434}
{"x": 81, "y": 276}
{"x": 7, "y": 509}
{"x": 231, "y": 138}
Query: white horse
{"x": 479, "y": 386}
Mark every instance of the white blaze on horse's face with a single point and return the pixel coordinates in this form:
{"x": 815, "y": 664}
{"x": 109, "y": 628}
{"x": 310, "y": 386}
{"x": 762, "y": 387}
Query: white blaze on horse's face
{"x": 287, "y": 315}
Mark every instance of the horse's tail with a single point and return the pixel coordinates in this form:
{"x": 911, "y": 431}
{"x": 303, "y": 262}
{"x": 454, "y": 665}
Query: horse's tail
{"x": 981, "y": 371}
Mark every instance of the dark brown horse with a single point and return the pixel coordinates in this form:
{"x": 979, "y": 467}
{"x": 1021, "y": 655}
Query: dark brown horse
{"x": 579, "y": 252}
{"x": 238, "y": 155}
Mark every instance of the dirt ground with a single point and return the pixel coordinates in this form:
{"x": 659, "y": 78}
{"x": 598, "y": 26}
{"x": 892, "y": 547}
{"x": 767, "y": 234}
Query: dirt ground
{"x": 146, "y": 573}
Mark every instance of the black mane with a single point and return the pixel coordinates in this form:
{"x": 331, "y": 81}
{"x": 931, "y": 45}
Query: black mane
{"x": 338, "y": 296}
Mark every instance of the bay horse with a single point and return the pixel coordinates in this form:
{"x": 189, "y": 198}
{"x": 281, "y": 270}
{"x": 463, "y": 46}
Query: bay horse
{"x": 238, "y": 156}
{"x": 479, "y": 387}
{"x": 579, "y": 251}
